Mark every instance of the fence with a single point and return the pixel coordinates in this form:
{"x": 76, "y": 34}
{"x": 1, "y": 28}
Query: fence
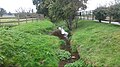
{"x": 86, "y": 15}
{"x": 11, "y": 21}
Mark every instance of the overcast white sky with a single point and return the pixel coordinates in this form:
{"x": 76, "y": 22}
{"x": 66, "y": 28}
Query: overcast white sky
{"x": 12, "y": 5}
{"x": 92, "y": 4}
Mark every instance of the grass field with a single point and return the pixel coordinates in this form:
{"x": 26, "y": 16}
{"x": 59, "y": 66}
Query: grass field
{"x": 29, "y": 45}
{"x": 97, "y": 43}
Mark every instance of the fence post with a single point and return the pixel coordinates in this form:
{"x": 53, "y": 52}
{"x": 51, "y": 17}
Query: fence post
{"x": 26, "y": 18}
{"x": 87, "y": 15}
{"x": 32, "y": 15}
{"x": 110, "y": 19}
{"x": 32, "y": 19}
{"x": 0, "y": 21}
{"x": 18, "y": 19}
{"x": 92, "y": 16}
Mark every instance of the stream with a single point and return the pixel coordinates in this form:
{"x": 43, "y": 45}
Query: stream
{"x": 66, "y": 47}
{"x": 74, "y": 55}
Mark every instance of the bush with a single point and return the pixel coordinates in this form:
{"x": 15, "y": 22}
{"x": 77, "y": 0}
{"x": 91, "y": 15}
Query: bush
{"x": 78, "y": 63}
{"x": 63, "y": 55}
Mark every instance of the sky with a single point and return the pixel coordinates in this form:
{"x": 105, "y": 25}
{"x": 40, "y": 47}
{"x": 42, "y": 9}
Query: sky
{"x": 12, "y": 5}
{"x": 93, "y": 4}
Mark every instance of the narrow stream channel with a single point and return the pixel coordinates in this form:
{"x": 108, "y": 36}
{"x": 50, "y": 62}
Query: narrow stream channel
{"x": 66, "y": 47}
{"x": 74, "y": 56}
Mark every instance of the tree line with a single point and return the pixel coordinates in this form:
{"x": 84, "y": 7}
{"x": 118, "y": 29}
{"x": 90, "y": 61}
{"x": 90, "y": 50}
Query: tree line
{"x": 2, "y": 12}
{"x": 112, "y": 11}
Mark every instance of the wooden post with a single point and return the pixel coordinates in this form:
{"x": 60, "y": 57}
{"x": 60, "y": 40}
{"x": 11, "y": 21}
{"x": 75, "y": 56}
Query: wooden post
{"x": 110, "y": 19}
{"x": 32, "y": 15}
{"x": 84, "y": 15}
{"x": 37, "y": 16}
{"x": 0, "y": 21}
{"x": 87, "y": 14}
{"x": 81, "y": 15}
{"x": 92, "y": 16}
{"x": 18, "y": 19}
{"x": 26, "y": 19}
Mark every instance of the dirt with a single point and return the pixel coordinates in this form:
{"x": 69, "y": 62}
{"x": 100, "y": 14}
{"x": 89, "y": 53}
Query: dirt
{"x": 74, "y": 55}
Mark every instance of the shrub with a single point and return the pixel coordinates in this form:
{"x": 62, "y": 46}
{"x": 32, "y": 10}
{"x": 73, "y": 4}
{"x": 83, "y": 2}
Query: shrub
{"x": 63, "y": 55}
{"x": 78, "y": 63}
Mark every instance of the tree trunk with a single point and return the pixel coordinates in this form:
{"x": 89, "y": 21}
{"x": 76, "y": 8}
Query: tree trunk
{"x": 18, "y": 19}
{"x": 70, "y": 23}
{"x": 110, "y": 18}
{"x": 99, "y": 20}
{"x": 76, "y": 22}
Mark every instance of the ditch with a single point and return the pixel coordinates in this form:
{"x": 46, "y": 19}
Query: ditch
{"x": 74, "y": 55}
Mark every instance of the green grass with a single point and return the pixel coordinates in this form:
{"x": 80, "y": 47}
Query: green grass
{"x": 43, "y": 26}
{"x": 97, "y": 43}
{"x": 28, "y": 45}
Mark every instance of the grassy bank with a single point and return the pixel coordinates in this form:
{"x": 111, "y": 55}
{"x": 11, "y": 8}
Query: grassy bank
{"x": 43, "y": 26}
{"x": 28, "y": 45}
{"x": 97, "y": 43}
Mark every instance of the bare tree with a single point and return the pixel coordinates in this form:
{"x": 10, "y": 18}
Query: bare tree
{"x": 110, "y": 10}
{"x": 2, "y": 11}
{"x": 23, "y": 13}
{"x": 117, "y": 1}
